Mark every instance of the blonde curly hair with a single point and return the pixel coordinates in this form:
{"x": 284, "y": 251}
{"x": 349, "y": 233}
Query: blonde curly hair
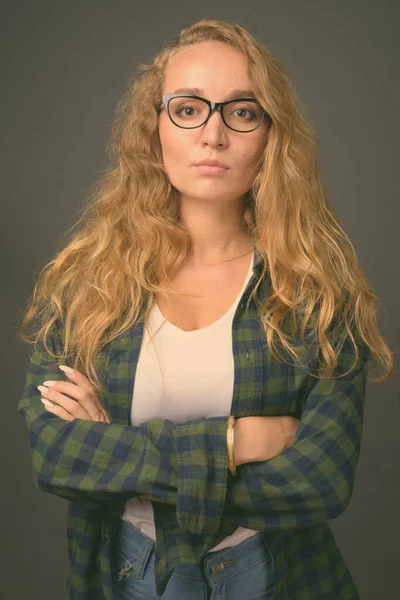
{"x": 131, "y": 235}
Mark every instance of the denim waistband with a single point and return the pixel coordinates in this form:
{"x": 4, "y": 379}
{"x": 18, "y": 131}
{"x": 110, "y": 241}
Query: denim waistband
{"x": 216, "y": 565}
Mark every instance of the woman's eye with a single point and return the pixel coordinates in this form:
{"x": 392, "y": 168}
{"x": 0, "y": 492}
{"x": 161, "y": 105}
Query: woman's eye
{"x": 250, "y": 113}
{"x": 185, "y": 110}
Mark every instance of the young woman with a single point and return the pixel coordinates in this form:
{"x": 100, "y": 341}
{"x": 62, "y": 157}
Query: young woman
{"x": 220, "y": 331}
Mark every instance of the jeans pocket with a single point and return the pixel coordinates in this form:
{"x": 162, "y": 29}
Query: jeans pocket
{"x": 255, "y": 583}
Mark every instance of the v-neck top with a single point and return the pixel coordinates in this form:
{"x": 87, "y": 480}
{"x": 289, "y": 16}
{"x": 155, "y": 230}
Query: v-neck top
{"x": 184, "y": 375}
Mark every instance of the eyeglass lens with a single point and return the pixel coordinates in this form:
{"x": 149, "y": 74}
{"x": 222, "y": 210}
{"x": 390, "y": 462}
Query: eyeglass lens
{"x": 191, "y": 112}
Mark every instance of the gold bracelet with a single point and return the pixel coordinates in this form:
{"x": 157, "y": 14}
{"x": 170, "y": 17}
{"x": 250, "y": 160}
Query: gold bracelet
{"x": 230, "y": 441}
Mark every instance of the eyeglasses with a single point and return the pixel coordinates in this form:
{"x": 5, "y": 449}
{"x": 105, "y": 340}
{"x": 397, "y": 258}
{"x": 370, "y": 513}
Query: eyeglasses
{"x": 189, "y": 112}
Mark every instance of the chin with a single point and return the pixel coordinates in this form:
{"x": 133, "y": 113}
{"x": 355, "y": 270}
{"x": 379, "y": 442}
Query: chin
{"x": 207, "y": 194}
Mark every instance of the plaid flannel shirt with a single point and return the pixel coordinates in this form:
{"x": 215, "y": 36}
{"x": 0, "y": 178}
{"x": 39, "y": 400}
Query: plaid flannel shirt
{"x": 97, "y": 467}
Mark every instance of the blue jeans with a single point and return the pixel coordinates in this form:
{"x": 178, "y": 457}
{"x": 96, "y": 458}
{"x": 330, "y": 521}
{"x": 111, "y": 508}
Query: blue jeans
{"x": 236, "y": 572}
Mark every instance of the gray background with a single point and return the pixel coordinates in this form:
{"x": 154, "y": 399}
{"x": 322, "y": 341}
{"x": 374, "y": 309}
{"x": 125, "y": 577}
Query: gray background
{"x": 64, "y": 66}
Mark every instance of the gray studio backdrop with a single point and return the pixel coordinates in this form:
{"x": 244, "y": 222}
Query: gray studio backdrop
{"x": 64, "y": 66}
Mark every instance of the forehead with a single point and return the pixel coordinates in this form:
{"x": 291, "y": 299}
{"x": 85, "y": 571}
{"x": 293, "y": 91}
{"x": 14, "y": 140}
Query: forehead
{"x": 211, "y": 66}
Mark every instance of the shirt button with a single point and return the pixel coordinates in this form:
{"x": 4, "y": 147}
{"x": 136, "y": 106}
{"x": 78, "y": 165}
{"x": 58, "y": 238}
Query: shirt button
{"x": 217, "y": 567}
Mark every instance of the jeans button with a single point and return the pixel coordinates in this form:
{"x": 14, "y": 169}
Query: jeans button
{"x": 217, "y": 567}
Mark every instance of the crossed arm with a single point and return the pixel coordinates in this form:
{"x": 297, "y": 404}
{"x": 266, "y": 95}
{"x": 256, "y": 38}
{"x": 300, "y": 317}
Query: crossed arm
{"x": 185, "y": 465}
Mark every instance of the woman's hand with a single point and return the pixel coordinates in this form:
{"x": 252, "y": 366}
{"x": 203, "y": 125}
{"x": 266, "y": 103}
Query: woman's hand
{"x": 85, "y": 405}
{"x": 262, "y": 438}
{"x": 80, "y": 403}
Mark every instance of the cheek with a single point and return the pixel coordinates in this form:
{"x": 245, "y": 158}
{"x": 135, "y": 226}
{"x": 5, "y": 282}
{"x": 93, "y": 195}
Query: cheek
{"x": 173, "y": 147}
{"x": 176, "y": 156}
{"x": 250, "y": 157}
{"x": 253, "y": 150}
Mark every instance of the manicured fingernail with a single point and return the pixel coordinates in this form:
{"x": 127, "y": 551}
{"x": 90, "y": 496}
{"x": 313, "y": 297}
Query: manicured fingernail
{"x": 66, "y": 369}
{"x": 49, "y": 383}
{"x": 46, "y": 402}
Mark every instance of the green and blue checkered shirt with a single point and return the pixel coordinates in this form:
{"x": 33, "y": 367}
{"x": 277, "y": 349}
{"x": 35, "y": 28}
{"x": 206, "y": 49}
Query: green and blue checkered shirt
{"x": 97, "y": 467}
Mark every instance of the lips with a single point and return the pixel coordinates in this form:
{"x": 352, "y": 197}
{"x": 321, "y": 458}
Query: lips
{"x": 211, "y": 163}
{"x": 211, "y": 169}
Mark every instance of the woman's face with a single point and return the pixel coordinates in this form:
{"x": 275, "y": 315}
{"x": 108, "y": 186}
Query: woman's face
{"x": 217, "y": 70}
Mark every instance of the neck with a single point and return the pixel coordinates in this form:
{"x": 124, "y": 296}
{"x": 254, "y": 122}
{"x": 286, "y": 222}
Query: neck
{"x": 224, "y": 261}
{"x": 217, "y": 230}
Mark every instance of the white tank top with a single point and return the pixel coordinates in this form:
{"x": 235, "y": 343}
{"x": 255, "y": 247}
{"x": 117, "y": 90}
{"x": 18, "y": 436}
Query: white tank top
{"x": 192, "y": 377}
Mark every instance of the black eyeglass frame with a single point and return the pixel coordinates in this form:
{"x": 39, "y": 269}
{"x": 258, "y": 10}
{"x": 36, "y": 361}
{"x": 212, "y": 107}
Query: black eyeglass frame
{"x": 212, "y": 106}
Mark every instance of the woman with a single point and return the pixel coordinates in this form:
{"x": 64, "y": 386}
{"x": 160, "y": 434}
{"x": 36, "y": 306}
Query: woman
{"x": 195, "y": 293}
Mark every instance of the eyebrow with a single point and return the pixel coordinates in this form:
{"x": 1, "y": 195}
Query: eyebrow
{"x": 200, "y": 92}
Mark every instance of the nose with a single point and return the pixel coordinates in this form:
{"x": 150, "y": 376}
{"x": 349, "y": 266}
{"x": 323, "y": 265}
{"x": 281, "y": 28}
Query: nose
{"x": 216, "y": 116}
{"x": 214, "y": 131}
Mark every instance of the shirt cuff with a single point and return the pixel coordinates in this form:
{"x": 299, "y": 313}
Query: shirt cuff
{"x": 202, "y": 461}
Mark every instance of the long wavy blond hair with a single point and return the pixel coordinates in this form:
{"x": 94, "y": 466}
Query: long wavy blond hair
{"x": 131, "y": 235}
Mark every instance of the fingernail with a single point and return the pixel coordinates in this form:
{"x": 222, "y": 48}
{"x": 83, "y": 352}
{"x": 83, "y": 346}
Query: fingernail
{"x": 46, "y": 402}
{"x": 66, "y": 369}
{"x": 49, "y": 383}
